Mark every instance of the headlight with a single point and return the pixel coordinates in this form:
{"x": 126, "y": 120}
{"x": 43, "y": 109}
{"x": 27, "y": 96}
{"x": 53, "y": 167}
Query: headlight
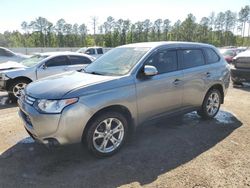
{"x": 54, "y": 106}
{"x": 3, "y": 76}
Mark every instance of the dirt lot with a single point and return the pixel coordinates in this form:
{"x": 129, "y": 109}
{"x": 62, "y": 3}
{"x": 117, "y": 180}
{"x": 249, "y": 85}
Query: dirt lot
{"x": 179, "y": 152}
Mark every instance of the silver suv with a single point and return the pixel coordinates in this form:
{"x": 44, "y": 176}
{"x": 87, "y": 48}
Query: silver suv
{"x": 125, "y": 87}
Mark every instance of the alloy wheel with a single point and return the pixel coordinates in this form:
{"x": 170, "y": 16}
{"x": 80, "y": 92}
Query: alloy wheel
{"x": 108, "y": 135}
{"x": 213, "y": 103}
{"x": 17, "y": 89}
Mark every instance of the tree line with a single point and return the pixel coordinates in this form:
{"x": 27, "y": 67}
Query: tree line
{"x": 222, "y": 29}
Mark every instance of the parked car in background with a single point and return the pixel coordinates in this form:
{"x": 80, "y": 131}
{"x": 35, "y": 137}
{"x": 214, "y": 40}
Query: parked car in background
{"x": 7, "y": 55}
{"x": 240, "y": 71}
{"x": 229, "y": 53}
{"x": 125, "y": 87}
{"x": 241, "y": 49}
{"x": 14, "y": 79}
{"x": 92, "y": 51}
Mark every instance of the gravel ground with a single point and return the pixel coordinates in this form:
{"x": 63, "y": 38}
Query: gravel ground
{"x": 183, "y": 151}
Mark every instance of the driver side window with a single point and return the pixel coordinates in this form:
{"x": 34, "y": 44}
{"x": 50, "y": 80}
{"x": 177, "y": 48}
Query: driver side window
{"x": 57, "y": 61}
{"x": 165, "y": 61}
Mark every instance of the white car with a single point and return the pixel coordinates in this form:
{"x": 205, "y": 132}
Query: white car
{"x": 7, "y": 55}
{"x": 92, "y": 51}
{"x": 15, "y": 76}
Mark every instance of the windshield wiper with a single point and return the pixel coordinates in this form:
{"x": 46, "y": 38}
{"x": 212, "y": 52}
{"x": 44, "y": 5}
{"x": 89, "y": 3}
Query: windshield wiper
{"x": 93, "y": 72}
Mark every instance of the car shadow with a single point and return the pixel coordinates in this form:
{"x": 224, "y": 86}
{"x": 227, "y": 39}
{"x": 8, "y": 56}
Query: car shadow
{"x": 156, "y": 148}
{"x": 244, "y": 87}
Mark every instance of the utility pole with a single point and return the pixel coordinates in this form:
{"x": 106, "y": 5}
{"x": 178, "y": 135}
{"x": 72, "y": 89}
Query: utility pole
{"x": 94, "y": 23}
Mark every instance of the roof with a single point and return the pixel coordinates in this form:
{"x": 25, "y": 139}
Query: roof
{"x": 161, "y": 43}
{"x": 64, "y": 53}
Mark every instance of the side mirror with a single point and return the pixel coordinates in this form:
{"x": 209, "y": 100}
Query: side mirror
{"x": 150, "y": 70}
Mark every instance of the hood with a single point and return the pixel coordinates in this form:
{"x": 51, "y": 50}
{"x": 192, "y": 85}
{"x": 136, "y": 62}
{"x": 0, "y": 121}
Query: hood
{"x": 23, "y": 55}
{"x": 56, "y": 87}
{"x": 11, "y": 65}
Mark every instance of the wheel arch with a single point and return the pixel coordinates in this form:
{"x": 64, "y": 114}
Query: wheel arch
{"x": 11, "y": 81}
{"x": 115, "y": 108}
{"x": 221, "y": 90}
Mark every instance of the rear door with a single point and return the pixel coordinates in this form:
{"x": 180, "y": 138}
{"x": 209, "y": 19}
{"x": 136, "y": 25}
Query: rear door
{"x": 195, "y": 74}
{"x": 78, "y": 62}
{"x": 55, "y": 65}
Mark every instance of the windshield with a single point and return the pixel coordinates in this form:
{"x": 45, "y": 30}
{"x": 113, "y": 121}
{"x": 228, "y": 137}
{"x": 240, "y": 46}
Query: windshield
{"x": 226, "y": 52}
{"x": 118, "y": 61}
{"x": 81, "y": 50}
{"x": 33, "y": 60}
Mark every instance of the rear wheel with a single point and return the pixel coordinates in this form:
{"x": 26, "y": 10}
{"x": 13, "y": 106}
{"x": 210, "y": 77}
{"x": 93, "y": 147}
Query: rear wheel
{"x": 211, "y": 104}
{"x": 106, "y": 134}
{"x": 16, "y": 88}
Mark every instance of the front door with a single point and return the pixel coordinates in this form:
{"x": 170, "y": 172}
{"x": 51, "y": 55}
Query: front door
{"x": 161, "y": 93}
{"x": 55, "y": 65}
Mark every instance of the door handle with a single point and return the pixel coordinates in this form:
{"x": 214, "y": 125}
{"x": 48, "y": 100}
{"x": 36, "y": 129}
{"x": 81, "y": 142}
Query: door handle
{"x": 176, "y": 82}
{"x": 208, "y": 74}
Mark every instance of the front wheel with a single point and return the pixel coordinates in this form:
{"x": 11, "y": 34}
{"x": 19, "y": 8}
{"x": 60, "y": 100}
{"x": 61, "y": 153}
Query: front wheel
{"x": 211, "y": 104}
{"x": 106, "y": 134}
{"x": 16, "y": 88}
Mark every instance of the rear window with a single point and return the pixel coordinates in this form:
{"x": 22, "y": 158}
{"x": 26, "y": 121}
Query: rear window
{"x": 99, "y": 51}
{"x": 76, "y": 60}
{"x": 211, "y": 56}
{"x": 192, "y": 58}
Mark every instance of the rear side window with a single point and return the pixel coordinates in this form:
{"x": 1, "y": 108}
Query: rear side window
{"x": 211, "y": 56}
{"x": 58, "y": 61}
{"x": 76, "y": 60}
{"x": 191, "y": 58}
{"x": 99, "y": 51}
{"x": 165, "y": 61}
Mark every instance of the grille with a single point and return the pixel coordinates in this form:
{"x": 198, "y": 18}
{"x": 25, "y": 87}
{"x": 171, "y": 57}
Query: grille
{"x": 29, "y": 100}
{"x": 26, "y": 98}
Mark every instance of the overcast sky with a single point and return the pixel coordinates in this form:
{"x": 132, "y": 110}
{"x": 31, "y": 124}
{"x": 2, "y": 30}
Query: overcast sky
{"x": 14, "y": 12}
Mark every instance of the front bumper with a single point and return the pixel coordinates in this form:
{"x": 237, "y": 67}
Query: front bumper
{"x": 64, "y": 128}
{"x": 240, "y": 75}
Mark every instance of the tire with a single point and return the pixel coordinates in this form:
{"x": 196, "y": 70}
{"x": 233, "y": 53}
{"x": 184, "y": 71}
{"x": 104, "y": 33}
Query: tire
{"x": 103, "y": 141}
{"x": 15, "y": 88}
{"x": 209, "y": 110}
